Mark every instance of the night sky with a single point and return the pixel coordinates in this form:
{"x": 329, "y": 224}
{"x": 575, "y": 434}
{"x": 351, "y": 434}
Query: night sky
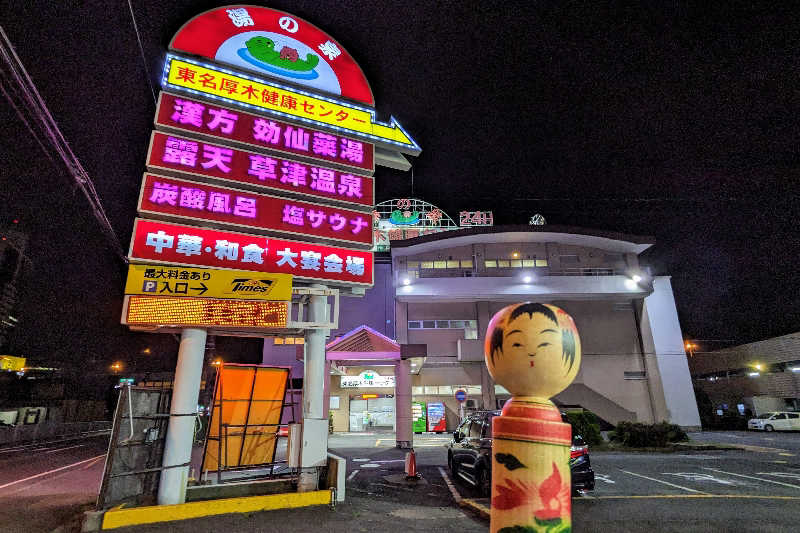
{"x": 675, "y": 122}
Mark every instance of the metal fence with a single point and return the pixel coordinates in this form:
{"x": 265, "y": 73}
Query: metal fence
{"x": 50, "y": 430}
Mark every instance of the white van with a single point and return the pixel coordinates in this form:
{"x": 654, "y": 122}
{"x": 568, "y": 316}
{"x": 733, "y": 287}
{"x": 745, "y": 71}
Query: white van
{"x": 780, "y": 421}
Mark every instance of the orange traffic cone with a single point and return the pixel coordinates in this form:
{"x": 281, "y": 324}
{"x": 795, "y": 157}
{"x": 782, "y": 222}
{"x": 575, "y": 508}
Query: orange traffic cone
{"x": 411, "y": 465}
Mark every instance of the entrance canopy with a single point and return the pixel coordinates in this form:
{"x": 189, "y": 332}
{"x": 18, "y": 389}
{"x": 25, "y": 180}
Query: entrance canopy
{"x": 362, "y": 344}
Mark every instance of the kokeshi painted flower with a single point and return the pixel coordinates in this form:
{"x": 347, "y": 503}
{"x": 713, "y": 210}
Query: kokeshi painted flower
{"x": 534, "y": 351}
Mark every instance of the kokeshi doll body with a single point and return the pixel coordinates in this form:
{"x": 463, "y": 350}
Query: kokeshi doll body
{"x": 533, "y": 350}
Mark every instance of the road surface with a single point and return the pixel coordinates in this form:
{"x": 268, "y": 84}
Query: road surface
{"x": 44, "y": 485}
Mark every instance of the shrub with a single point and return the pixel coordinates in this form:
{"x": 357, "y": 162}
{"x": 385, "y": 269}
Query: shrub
{"x": 638, "y": 435}
{"x": 584, "y": 423}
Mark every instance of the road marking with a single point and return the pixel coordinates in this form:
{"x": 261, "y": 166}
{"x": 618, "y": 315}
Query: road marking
{"x": 790, "y": 475}
{"x": 369, "y": 465}
{"x": 693, "y": 476}
{"x": 664, "y": 482}
{"x": 786, "y": 454}
{"x": 748, "y": 477}
{"x": 353, "y": 474}
{"x": 453, "y": 491}
{"x": 67, "y": 448}
{"x": 361, "y": 460}
{"x": 687, "y": 496}
{"x": 391, "y": 461}
{"x": 50, "y": 472}
{"x": 780, "y": 462}
{"x": 604, "y": 478}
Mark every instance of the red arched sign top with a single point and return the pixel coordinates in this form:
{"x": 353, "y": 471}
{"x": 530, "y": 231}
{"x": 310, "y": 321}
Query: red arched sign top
{"x": 277, "y": 44}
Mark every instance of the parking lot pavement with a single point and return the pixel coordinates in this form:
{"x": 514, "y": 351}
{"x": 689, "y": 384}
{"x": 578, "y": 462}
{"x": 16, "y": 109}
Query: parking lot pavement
{"x": 719, "y": 491}
{"x": 784, "y": 440}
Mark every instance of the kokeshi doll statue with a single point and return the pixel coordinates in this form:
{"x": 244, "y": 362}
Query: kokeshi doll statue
{"x": 534, "y": 351}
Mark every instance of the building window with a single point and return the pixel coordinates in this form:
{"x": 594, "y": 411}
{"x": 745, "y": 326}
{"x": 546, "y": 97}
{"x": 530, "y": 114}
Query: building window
{"x": 413, "y": 264}
{"x": 288, "y": 340}
{"x": 466, "y": 263}
{"x": 426, "y": 264}
{"x": 502, "y": 263}
{"x": 417, "y": 390}
{"x": 431, "y": 390}
{"x": 414, "y": 324}
{"x": 541, "y": 262}
{"x": 429, "y": 324}
{"x": 440, "y": 264}
{"x": 490, "y": 263}
{"x": 528, "y": 263}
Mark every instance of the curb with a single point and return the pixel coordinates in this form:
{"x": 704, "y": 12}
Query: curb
{"x": 121, "y": 517}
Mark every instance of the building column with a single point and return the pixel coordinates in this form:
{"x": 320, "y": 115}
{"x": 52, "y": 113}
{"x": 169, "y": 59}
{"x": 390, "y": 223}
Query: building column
{"x": 404, "y": 433}
{"x": 314, "y": 449}
{"x": 667, "y": 367}
{"x": 488, "y": 397}
{"x": 326, "y": 391}
{"x": 180, "y": 432}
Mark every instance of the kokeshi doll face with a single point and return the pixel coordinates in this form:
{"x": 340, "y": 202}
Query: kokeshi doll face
{"x": 533, "y": 349}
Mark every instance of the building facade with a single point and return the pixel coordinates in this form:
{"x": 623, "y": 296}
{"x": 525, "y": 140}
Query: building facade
{"x": 750, "y": 379}
{"x": 436, "y": 294}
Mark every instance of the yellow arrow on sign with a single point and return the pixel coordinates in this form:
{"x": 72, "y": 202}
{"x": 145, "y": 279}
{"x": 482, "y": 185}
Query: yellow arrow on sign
{"x": 252, "y": 93}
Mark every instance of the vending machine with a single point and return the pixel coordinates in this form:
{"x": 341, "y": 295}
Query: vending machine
{"x": 419, "y": 419}
{"x": 436, "y": 419}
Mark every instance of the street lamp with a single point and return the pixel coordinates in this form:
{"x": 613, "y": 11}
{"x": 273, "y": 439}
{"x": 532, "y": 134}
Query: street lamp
{"x": 147, "y": 351}
{"x": 116, "y": 367}
{"x": 217, "y": 363}
{"x": 690, "y": 347}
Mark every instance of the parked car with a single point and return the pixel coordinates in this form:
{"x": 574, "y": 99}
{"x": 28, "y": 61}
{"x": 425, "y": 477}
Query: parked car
{"x": 469, "y": 454}
{"x": 780, "y": 420}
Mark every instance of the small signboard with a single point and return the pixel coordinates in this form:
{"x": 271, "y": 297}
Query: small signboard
{"x": 461, "y": 395}
{"x": 175, "y": 244}
{"x": 212, "y": 162}
{"x": 475, "y": 218}
{"x": 251, "y": 131}
{"x": 12, "y": 363}
{"x": 181, "y": 200}
{"x": 160, "y": 280}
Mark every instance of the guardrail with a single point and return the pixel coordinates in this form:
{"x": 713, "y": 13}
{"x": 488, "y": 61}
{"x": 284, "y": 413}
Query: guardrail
{"x": 50, "y": 430}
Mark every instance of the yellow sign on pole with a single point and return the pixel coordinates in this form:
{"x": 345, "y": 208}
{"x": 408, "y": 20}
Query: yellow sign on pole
{"x": 11, "y": 363}
{"x": 252, "y": 93}
{"x": 161, "y": 280}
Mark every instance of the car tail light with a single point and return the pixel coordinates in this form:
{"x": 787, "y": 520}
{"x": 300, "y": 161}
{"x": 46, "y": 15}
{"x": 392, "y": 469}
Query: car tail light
{"x": 577, "y": 451}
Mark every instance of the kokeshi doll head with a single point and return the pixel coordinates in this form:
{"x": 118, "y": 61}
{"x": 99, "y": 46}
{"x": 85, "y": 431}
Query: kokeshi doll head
{"x": 533, "y": 349}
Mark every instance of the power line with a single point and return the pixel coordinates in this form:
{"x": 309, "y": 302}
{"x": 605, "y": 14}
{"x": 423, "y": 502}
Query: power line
{"x": 141, "y": 50}
{"x": 17, "y": 82}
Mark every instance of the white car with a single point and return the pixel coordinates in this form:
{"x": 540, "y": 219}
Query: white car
{"x": 780, "y": 420}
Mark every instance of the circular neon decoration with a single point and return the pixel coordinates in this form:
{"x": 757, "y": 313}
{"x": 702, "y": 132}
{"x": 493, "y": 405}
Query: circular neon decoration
{"x": 276, "y": 44}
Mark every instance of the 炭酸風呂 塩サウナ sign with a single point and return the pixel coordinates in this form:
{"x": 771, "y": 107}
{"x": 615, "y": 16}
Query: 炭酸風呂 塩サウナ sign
{"x": 167, "y": 243}
{"x": 165, "y": 280}
{"x": 213, "y": 162}
{"x": 251, "y": 131}
{"x": 174, "y": 199}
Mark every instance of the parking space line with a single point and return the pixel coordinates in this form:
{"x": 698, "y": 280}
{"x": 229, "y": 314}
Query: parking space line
{"x": 756, "y": 478}
{"x": 687, "y": 496}
{"x": 453, "y": 491}
{"x": 786, "y": 454}
{"x": 353, "y": 474}
{"x": 664, "y": 482}
{"x": 67, "y": 448}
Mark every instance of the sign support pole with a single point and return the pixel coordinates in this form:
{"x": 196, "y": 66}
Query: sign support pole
{"x": 180, "y": 432}
{"x": 314, "y": 450}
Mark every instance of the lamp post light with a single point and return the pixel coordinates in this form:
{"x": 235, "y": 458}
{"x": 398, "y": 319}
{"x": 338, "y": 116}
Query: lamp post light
{"x": 690, "y": 347}
{"x": 116, "y": 367}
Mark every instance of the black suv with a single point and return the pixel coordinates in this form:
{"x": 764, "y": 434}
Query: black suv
{"x": 469, "y": 454}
